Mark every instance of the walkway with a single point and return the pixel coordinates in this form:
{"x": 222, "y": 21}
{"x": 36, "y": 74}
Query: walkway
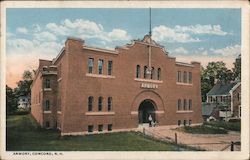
{"x": 204, "y": 141}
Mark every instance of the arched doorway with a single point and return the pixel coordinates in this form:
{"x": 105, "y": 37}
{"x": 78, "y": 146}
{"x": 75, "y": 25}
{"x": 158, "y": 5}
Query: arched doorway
{"x": 146, "y": 108}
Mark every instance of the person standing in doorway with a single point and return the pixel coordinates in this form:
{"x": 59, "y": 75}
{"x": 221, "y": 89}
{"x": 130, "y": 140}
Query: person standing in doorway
{"x": 150, "y": 119}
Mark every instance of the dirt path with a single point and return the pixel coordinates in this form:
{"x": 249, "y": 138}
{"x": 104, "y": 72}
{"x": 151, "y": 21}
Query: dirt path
{"x": 203, "y": 141}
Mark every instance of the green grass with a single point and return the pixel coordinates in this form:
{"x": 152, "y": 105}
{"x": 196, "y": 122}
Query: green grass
{"x": 203, "y": 129}
{"x": 23, "y": 134}
{"x": 232, "y": 126}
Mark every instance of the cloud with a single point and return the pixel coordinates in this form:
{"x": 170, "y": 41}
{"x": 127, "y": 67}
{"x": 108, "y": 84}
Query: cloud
{"x": 201, "y": 29}
{"x": 232, "y": 50}
{"x": 45, "y": 36}
{"x": 180, "y": 51}
{"x": 165, "y": 34}
{"x": 22, "y": 30}
{"x": 185, "y": 34}
{"x": 87, "y": 29}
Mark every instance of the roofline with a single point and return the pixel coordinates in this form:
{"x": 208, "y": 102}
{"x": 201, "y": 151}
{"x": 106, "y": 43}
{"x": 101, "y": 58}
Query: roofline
{"x": 101, "y": 50}
{"x": 59, "y": 55}
{"x": 184, "y": 64}
{"x": 235, "y": 86}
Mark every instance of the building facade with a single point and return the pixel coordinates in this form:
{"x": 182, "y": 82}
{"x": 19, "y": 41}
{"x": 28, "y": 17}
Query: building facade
{"x": 227, "y": 97}
{"x": 90, "y": 90}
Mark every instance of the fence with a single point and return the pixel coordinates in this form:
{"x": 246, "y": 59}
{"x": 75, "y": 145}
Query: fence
{"x": 161, "y": 137}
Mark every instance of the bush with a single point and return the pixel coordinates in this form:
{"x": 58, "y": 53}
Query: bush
{"x": 233, "y": 126}
{"x": 203, "y": 129}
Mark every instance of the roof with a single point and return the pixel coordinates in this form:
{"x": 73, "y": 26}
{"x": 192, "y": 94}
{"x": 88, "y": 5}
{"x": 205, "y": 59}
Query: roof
{"x": 207, "y": 108}
{"x": 221, "y": 89}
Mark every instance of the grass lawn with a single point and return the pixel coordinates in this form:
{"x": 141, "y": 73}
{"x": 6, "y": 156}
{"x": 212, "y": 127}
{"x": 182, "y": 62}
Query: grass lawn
{"x": 23, "y": 134}
{"x": 203, "y": 129}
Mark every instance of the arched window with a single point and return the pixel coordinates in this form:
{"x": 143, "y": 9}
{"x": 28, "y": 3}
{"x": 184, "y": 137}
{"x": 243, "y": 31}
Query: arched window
{"x": 90, "y": 103}
{"x": 179, "y": 104}
{"x": 109, "y": 103}
{"x": 100, "y": 104}
{"x": 152, "y": 73}
{"x": 185, "y": 77}
{"x": 159, "y": 74}
{"x": 190, "y": 104}
{"x": 138, "y": 71}
{"x": 184, "y": 104}
{"x": 145, "y": 72}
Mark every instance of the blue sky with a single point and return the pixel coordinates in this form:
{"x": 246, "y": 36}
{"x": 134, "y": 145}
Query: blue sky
{"x": 187, "y": 34}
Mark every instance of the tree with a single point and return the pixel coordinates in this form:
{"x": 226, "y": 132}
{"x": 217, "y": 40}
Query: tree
{"x": 215, "y": 71}
{"x": 11, "y": 101}
{"x": 27, "y": 75}
{"x": 237, "y": 68}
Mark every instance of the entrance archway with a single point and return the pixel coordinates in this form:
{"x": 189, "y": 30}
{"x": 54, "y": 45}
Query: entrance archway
{"x": 146, "y": 108}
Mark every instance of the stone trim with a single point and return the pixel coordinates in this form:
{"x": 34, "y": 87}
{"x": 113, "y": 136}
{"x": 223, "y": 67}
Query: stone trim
{"x": 148, "y": 80}
{"x": 46, "y": 111}
{"x": 186, "y": 111}
{"x": 184, "y": 64}
{"x": 59, "y": 112}
{"x": 47, "y": 89}
{"x": 100, "y": 50}
{"x": 59, "y": 79}
{"x": 134, "y": 112}
{"x": 184, "y": 84}
{"x": 99, "y": 75}
{"x": 99, "y": 113}
{"x": 159, "y": 112}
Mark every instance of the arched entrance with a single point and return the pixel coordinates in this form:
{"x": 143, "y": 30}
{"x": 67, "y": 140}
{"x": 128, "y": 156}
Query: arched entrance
{"x": 146, "y": 108}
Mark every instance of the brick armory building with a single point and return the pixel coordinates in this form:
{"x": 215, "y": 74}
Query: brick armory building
{"x": 86, "y": 89}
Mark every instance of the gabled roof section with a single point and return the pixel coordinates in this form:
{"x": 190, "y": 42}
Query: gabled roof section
{"x": 221, "y": 89}
{"x": 208, "y": 108}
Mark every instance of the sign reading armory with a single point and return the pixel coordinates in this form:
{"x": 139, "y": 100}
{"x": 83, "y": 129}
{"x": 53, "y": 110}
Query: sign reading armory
{"x": 149, "y": 85}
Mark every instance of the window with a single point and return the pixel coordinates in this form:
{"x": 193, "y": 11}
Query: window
{"x": 47, "y": 105}
{"x": 190, "y": 104}
{"x": 179, "y": 122}
{"x": 47, "y": 83}
{"x": 138, "y": 71}
{"x": 179, "y": 76}
{"x": 90, "y": 65}
{"x": 100, "y": 128}
{"x": 109, "y": 103}
{"x": 47, "y": 125}
{"x": 90, "y": 128}
{"x": 100, "y": 66}
{"x": 145, "y": 72}
{"x": 109, "y": 127}
{"x": 238, "y": 96}
{"x": 179, "y": 104}
{"x": 184, "y": 104}
{"x": 184, "y": 122}
{"x": 159, "y": 74}
{"x": 90, "y": 103}
{"x": 190, "y": 122}
{"x": 110, "y": 65}
{"x": 185, "y": 77}
{"x": 152, "y": 73}
{"x": 190, "y": 78}
{"x": 100, "y": 104}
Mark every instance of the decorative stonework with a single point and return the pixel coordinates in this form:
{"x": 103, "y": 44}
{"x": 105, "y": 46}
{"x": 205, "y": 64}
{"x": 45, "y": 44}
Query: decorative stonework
{"x": 149, "y": 85}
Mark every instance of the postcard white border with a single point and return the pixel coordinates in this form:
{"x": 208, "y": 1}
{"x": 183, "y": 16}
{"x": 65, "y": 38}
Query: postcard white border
{"x": 243, "y": 154}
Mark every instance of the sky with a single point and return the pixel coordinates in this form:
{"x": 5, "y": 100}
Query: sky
{"x": 202, "y": 35}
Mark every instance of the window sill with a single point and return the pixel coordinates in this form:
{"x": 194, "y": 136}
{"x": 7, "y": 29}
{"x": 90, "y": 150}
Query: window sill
{"x": 59, "y": 112}
{"x": 184, "y": 84}
{"x": 186, "y": 111}
{"x": 148, "y": 80}
{"x": 46, "y": 111}
{"x": 47, "y": 89}
{"x": 99, "y": 75}
{"x": 99, "y": 113}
